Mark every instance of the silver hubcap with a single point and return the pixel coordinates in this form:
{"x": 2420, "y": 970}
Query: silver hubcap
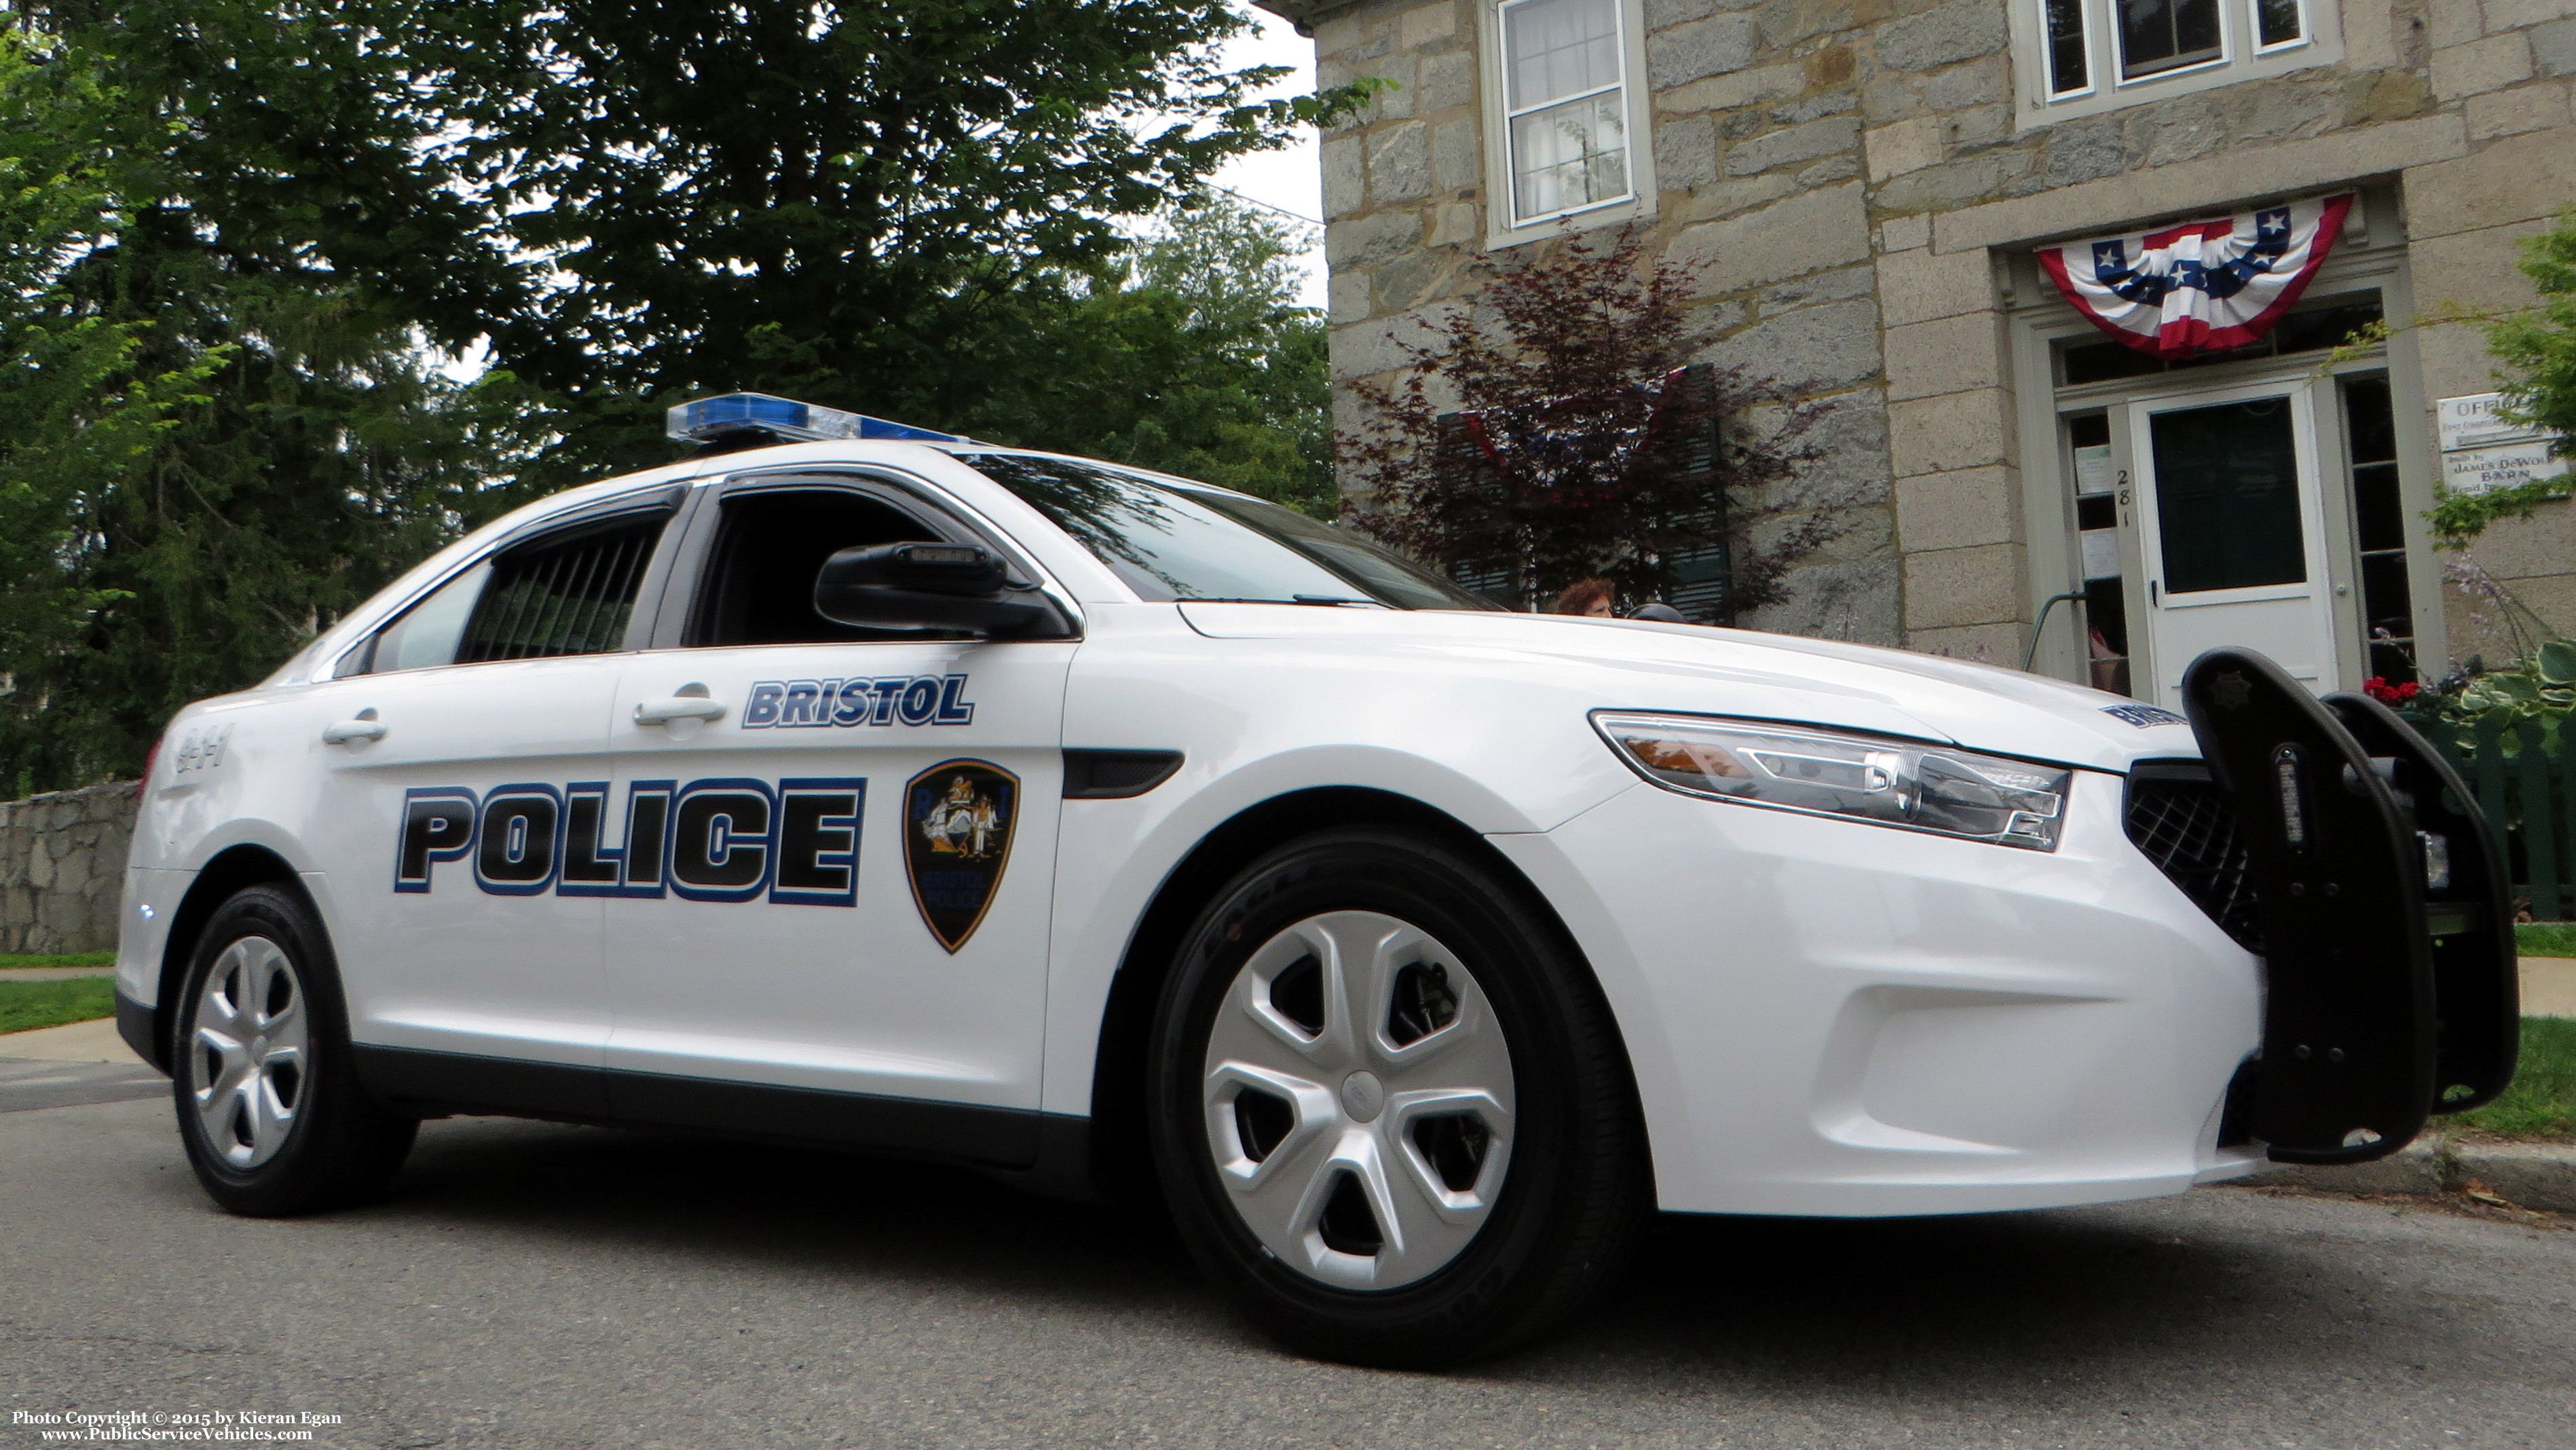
{"x": 1359, "y": 1100}
{"x": 247, "y": 1065}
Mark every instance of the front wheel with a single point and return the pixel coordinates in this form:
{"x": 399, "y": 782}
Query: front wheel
{"x": 1392, "y": 1114}
{"x": 269, "y": 1102}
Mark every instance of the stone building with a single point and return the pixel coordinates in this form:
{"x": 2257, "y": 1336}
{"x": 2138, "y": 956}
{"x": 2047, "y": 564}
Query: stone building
{"x": 1863, "y": 186}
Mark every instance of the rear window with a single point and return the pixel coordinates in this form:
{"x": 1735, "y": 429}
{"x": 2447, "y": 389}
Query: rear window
{"x": 1171, "y": 541}
{"x": 566, "y": 593}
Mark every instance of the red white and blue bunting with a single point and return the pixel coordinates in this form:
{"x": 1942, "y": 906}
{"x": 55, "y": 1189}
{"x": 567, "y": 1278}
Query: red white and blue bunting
{"x": 2203, "y": 286}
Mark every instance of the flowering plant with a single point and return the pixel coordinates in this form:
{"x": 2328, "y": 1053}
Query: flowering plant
{"x": 2539, "y": 687}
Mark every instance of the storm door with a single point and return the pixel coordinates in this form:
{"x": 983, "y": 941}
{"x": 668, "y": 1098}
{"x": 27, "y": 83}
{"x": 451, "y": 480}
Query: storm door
{"x": 2231, "y": 532}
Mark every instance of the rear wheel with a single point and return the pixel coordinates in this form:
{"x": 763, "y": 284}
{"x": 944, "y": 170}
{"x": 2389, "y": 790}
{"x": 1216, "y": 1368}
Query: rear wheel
{"x": 1391, "y": 1112}
{"x": 269, "y": 1102}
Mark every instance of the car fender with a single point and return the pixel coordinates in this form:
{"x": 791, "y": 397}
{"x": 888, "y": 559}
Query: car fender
{"x": 1242, "y": 720}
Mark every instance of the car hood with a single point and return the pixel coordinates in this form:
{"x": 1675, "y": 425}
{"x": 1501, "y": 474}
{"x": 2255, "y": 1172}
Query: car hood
{"x": 1639, "y": 665}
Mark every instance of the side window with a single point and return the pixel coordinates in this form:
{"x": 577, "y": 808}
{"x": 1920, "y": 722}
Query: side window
{"x": 758, "y": 587}
{"x": 1566, "y": 106}
{"x": 564, "y": 593}
{"x": 428, "y": 632}
{"x": 1566, "y": 117}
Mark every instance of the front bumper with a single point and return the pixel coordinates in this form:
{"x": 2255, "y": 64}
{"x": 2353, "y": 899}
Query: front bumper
{"x": 1834, "y": 1018}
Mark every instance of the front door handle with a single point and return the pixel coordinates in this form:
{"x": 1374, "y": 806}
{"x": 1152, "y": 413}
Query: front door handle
{"x": 681, "y": 706}
{"x": 365, "y": 727}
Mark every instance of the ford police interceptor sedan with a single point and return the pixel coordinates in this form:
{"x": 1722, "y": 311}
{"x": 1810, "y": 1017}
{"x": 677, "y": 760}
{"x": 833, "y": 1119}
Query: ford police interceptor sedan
{"x": 1117, "y": 834}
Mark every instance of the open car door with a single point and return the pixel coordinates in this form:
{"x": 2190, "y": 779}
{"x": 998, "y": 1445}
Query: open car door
{"x": 2387, "y": 922}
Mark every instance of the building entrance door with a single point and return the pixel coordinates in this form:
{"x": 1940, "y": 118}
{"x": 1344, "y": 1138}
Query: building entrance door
{"x": 2231, "y": 531}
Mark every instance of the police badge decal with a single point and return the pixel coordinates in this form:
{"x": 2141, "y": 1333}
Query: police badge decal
{"x": 957, "y": 822}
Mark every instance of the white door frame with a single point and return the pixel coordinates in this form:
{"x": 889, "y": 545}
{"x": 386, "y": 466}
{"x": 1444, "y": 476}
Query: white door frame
{"x": 2155, "y": 668}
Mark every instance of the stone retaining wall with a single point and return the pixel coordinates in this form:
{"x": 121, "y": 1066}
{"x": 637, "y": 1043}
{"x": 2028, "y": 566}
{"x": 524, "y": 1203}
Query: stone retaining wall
{"x": 62, "y": 866}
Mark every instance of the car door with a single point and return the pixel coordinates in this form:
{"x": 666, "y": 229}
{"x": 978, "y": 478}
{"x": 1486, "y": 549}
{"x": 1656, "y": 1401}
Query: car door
{"x": 834, "y": 846}
{"x": 446, "y": 743}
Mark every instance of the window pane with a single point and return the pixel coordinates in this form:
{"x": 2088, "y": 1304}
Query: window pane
{"x": 2277, "y": 21}
{"x": 2067, "y": 68}
{"x": 2159, "y": 35}
{"x": 2227, "y": 497}
{"x": 1569, "y": 156}
{"x": 2385, "y": 606}
{"x": 565, "y": 595}
{"x": 1561, "y": 48}
{"x": 2373, "y": 421}
{"x": 1175, "y": 543}
{"x": 759, "y": 585}
{"x": 427, "y": 633}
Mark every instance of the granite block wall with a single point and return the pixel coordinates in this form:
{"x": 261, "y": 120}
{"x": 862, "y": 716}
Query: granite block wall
{"x": 62, "y": 869}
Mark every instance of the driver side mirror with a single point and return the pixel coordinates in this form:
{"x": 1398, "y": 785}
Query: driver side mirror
{"x": 929, "y": 586}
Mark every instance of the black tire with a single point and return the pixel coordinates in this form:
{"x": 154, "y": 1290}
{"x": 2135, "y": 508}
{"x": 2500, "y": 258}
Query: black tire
{"x": 338, "y": 1147}
{"x": 1575, "y": 1191}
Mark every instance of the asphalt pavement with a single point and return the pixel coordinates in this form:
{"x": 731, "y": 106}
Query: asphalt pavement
{"x": 543, "y": 1286}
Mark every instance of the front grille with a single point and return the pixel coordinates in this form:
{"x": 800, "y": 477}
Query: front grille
{"x": 2188, "y": 829}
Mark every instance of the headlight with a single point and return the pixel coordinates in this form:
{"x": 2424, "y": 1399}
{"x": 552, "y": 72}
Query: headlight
{"x": 1886, "y": 782}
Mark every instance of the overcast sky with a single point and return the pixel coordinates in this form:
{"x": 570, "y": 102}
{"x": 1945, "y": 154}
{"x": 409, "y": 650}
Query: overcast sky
{"x": 1291, "y": 179}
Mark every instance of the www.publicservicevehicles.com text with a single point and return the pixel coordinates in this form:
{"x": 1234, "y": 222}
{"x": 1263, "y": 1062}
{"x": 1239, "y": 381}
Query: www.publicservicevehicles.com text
{"x": 200, "y": 1427}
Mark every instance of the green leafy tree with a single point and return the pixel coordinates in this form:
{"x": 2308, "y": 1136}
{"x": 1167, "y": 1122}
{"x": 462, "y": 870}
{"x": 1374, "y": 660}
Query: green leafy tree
{"x": 2538, "y": 347}
{"x": 239, "y": 437}
{"x": 1192, "y": 356}
{"x": 860, "y": 205}
{"x": 279, "y": 212}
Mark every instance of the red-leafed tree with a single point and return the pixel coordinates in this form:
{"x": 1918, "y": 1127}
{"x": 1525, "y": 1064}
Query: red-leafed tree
{"x": 1558, "y": 432}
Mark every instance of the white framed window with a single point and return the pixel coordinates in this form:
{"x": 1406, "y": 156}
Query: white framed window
{"x": 2081, "y": 57}
{"x": 1566, "y": 143}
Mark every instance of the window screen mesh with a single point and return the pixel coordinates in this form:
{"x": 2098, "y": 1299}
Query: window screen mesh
{"x": 562, "y": 596}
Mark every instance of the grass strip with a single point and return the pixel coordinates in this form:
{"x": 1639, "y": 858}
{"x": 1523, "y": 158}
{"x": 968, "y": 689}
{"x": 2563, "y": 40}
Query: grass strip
{"x": 25, "y": 1006}
{"x": 102, "y": 959}
{"x": 2545, "y": 938}
{"x": 2541, "y": 1103}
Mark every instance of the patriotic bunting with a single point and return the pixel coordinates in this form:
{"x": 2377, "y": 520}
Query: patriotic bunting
{"x": 2202, "y": 286}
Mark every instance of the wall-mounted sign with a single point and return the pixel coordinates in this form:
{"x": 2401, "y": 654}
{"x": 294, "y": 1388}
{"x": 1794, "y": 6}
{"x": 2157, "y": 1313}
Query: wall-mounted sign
{"x": 2477, "y": 470}
{"x": 2471, "y": 422}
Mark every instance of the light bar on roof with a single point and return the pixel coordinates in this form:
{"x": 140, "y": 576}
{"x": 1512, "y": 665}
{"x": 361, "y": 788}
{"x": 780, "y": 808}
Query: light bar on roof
{"x": 785, "y": 419}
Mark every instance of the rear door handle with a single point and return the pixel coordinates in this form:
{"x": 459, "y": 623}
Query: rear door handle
{"x": 365, "y": 727}
{"x": 678, "y": 707}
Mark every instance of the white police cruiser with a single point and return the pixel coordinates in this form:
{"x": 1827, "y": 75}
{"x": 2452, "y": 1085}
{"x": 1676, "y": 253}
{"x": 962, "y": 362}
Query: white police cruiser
{"x": 1118, "y": 834}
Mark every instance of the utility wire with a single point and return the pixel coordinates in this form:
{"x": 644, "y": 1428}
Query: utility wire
{"x": 1266, "y": 206}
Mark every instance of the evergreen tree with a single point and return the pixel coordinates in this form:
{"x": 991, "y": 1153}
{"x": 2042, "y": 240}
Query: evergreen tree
{"x": 241, "y": 242}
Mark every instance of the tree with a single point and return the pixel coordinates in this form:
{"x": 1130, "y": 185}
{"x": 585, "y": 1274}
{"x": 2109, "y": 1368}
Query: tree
{"x": 852, "y": 204}
{"x": 892, "y": 208}
{"x": 2538, "y": 346}
{"x": 242, "y": 439}
{"x": 1570, "y": 437}
{"x": 76, "y": 420}
{"x": 1192, "y": 357}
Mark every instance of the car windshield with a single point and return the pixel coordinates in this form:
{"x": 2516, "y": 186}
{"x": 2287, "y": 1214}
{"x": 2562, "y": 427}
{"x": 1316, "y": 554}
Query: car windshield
{"x": 1168, "y": 540}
